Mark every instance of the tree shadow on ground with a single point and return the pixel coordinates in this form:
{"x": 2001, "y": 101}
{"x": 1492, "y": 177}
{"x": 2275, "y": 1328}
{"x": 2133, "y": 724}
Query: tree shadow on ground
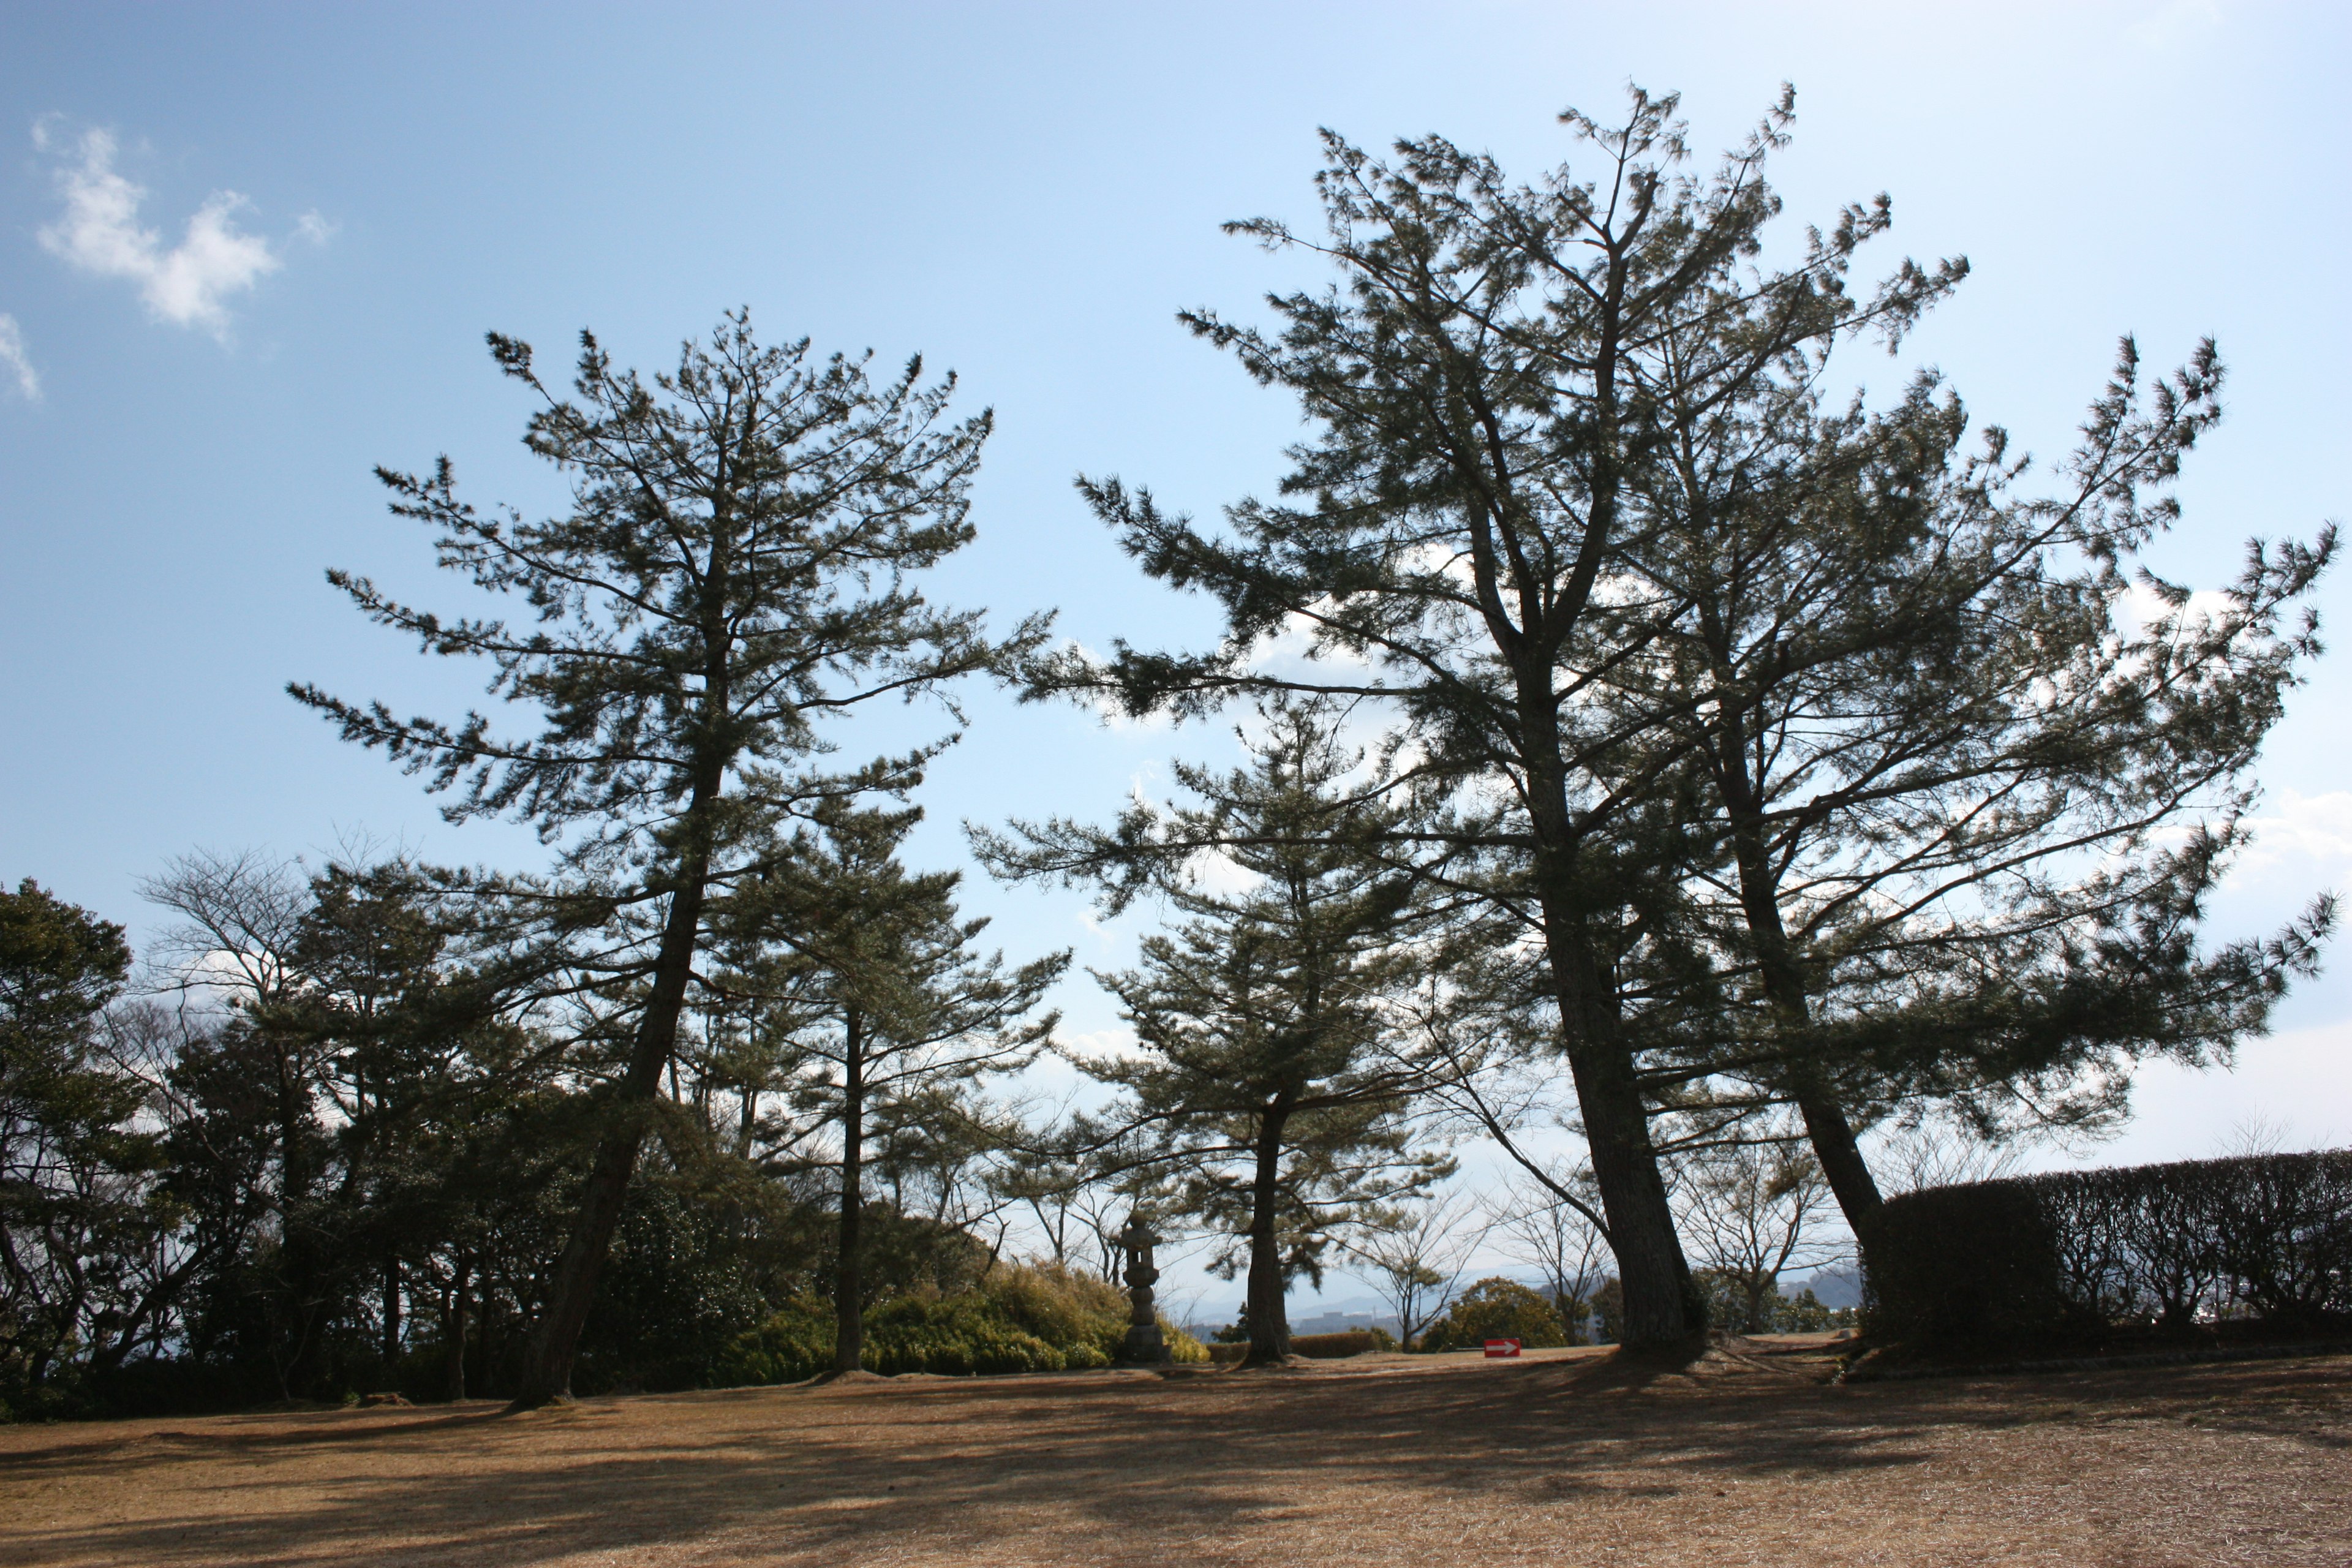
{"x": 818, "y": 1473}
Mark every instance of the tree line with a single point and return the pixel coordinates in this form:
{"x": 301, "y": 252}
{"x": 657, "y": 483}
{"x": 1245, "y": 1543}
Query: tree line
{"x": 1645, "y": 733}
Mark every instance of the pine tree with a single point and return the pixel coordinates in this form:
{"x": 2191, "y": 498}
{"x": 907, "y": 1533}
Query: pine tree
{"x": 1486, "y": 391}
{"x": 1940, "y": 760}
{"x": 884, "y": 1017}
{"x": 77, "y": 1226}
{"x": 1273, "y": 1067}
{"x": 729, "y": 577}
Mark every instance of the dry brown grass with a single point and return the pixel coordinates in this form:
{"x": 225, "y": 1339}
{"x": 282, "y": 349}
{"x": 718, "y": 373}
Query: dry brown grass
{"x": 1563, "y": 1458}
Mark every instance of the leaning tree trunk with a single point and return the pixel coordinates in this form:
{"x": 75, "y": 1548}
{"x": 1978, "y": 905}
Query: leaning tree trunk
{"x": 1267, "y": 1316}
{"x": 848, "y": 1280}
{"x": 547, "y": 1371}
{"x": 1661, "y": 1305}
{"x": 1835, "y": 1146}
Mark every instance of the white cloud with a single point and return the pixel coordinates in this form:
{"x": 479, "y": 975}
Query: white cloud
{"x": 12, "y": 355}
{"x": 1118, "y": 1044}
{"x": 2312, "y": 833}
{"x": 314, "y": 228}
{"x": 186, "y": 285}
{"x": 1214, "y": 872}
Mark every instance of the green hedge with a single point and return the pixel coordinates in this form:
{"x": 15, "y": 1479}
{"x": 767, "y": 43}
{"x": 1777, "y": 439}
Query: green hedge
{"x": 1028, "y": 1319}
{"x": 2264, "y": 1241}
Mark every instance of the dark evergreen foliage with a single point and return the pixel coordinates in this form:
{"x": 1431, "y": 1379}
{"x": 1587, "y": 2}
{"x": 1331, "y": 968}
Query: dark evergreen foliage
{"x": 1274, "y": 1070}
{"x": 730, "y": 578}
{"x": 2204, "y": 1247}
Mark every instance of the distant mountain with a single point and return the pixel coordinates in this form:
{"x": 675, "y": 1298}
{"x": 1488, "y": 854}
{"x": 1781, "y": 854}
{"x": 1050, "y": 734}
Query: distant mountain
{"x": 1833, "y": 1288}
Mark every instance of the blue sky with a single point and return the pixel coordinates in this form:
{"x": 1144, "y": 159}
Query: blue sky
{"x": 249, "y": 252}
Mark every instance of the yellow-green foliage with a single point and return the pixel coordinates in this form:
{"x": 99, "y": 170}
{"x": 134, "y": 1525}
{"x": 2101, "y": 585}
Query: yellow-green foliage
{"x": 1060, "y": 1305}
{"x": 1182, "y": 1346}
{"x": 1022, "y": 1318}
{"x": 1496, "y": 1310}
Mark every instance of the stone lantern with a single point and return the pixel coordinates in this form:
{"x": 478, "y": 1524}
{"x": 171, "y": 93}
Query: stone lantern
{"x": 1144, "y": 1345}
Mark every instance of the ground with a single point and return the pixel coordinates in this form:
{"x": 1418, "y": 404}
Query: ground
{"x": 1573, "y": 1458}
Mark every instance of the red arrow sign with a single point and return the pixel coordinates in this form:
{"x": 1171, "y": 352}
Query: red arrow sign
{"x": 1501, "y": 1347}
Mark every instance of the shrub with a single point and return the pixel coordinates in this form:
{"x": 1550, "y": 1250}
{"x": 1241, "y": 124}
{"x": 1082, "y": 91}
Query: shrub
{"x": 1496, "y": 1310}
{"x": 1032, "y": 1318}
{"x": 1965, "y": 1266}
{"x": 1331, "y": 1347}
{"x": 2077, "y": 1255}
{"x": 795, "y": 1342}
{"x": 1060, "y": 1305}
{"x": 1806, "y": 1313}
{"x": 957, "y": 1335}
{"x": 1182, "y": 1347}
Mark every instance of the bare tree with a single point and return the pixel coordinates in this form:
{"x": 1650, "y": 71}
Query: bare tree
{"x": 1937, "y": 1153}
{"x": 1751, "y": 1210}
{"x": 1559, "y": 1239}
{"x": 1414, "y": 1256}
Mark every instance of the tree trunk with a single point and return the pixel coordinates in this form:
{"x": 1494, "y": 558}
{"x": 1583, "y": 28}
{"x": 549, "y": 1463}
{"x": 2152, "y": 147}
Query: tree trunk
{"x": 453, "y": 1331}
{"x": 848, "y": 1284}
{"x": 391, "y": 1316}
{"x": 1832, "y": 1136}
{"x": 1268, "y": 1318}
{"x": 1840, "y": 1153}
{"x": 547, "y": 1369}
{"x": 1662, "y": 1306}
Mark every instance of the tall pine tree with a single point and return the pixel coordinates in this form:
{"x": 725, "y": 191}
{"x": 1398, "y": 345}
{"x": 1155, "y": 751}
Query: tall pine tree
{"x": 729, "y": 577}
{"x": 1459, "y": 530}
{"x": 1275, "y": 1069}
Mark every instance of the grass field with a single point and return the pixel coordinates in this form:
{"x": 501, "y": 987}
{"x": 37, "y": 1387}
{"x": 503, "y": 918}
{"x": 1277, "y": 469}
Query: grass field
{"x": 1748, "y": 1457}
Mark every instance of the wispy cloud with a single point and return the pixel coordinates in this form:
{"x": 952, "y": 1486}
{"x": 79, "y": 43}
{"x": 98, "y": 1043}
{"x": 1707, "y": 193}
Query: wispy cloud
{"x": 187, "y": 284}
{"x": 2311, "y": 833}
{"x": 13, "y": 356}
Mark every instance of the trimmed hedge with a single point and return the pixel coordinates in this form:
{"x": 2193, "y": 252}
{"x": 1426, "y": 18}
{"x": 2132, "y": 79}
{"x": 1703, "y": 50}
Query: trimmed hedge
{"x": 1320, "y": 1347}
{"x": 2079, "y": 1256}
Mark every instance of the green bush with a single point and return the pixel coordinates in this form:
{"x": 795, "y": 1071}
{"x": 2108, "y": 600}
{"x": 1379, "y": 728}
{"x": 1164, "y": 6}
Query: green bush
{"x": 794, "y": 1342}
{"x": 955, "y": 1335}
{"x": 1806, "y": 1313}
{"x": 1061, "y": 1305}
{"x": 1182, "y": 1346}
{"x": 1037, "y": 1318}
{"x": 1330, "y": 1347}
{"x": 1496, "y": 1310}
